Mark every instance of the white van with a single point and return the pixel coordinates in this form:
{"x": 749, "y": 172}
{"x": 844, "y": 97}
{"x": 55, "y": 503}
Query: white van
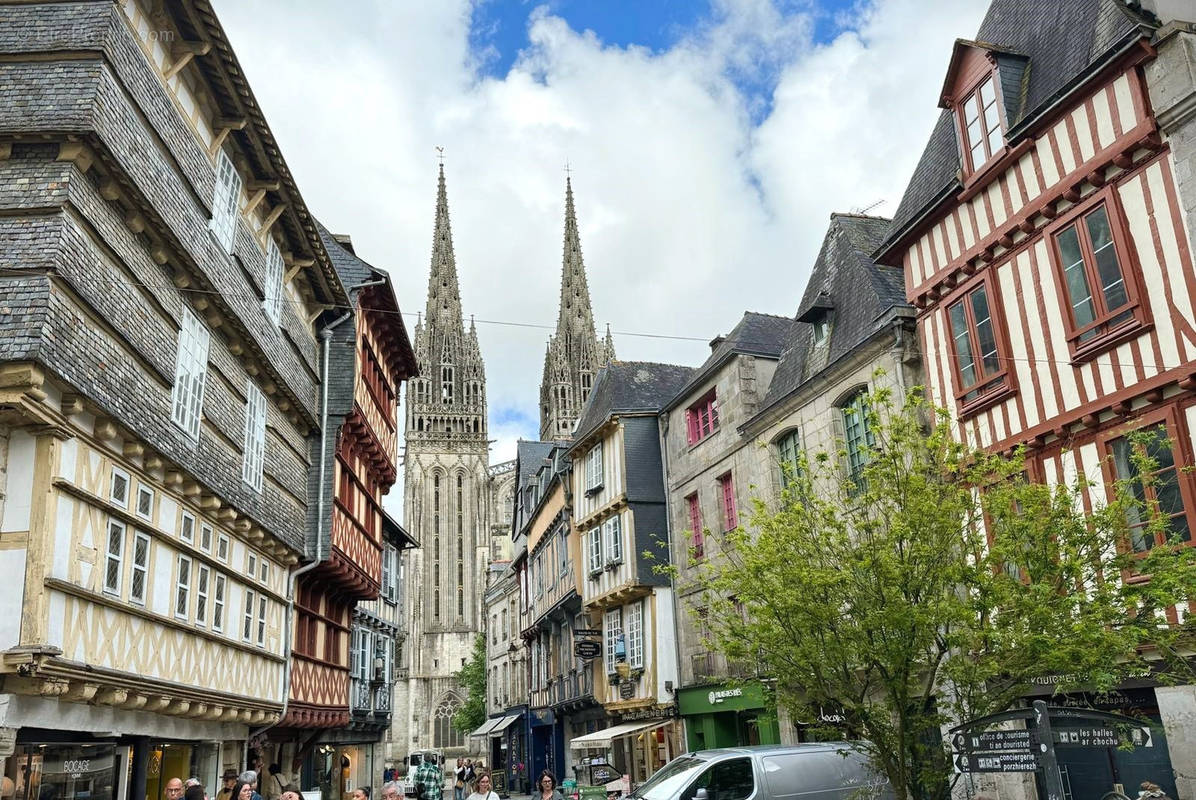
{"x": 413, "y": 762}
{"x": 825, "y": 771}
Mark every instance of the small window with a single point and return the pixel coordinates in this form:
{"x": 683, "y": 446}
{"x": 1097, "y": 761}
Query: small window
{"x": 1167, "y": 490}
{"x": 698, "y": 543}
{"x": 613, "y": 625}
{"x": 113, "y": 557}
{"x": 205, "y": 538}
{"x": 635, "y": 635}
{"x": 255, "y": 435}
{"x": 273, "y": 281}
{"x": 190, "y": 371}
{"x": 858, "y": 437}
{"x": 182, "y": 598}
{"x": 594, "y": 476}
{"x": 187, "y": 528}
{"x": 979, "y": 369}
{"x": 264, "y": 571}
{"x": 390, "y": 589}
{"x": 614, "y": 540}
{"x": 261, "y": 620}
{"x": 252, "y": 571}
{"x": 222, "y": 548}
{"x": 140, "y": 577}
{"x": 145, "y": 502}
{"x": 202, "y": 576}
{"x": 218, "y": 589}
{"x": 701, "y": 419}
{"x": 247, "y": 627}
{"x": 1093, "y": 268}
{"x": 981, "y": 124}
{"x": 226, "y": 202}
{"x": 820, "y": 343}
{"x": 119, "y": 491}
{"x": 595, "y": 550}
{"x": 789, "y": 456}
{"x": 726, "y": 486}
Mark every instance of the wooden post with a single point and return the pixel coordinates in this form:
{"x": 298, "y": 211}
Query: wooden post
{"x": 1052, "y": 778}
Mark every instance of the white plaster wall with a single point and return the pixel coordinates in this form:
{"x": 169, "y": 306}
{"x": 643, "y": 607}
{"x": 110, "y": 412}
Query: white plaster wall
{"x": 18, "y": 498}
{"x": 12, "y": 589}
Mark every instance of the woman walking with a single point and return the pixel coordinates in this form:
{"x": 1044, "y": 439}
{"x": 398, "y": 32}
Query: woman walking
{"x": 546, "y": 788}
{"x": 481, "y": 787}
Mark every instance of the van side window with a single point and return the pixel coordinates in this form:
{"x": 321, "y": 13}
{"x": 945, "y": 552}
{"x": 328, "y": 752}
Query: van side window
{"x": 726, "y": 780}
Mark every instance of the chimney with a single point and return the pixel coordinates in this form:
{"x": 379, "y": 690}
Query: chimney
{"x": 716, "y": 341}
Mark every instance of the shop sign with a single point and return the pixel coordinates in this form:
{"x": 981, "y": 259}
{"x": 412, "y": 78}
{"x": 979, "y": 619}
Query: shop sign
{"x": 644, "y": 714}
{"x": 719, "y": 695}
{"x": 587, "y": 632}
{"x": 626, "y": 690}
{"x": 587, "y": 649}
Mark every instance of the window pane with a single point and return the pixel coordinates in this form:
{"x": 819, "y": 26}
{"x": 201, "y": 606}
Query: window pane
{"x": 992, "y": 120}
{"x": 978, "y": 155}
{"x": 970, "y": 112}
{"x": 1125, "y": 469}
{"x": 1107, "y": 267}
{"x": 988, "y": 93}
{"x": 984, "y": 331}
{"x": 1073, "y": 273}
{"x": 963, "y": 345}
{"x": 995, "y": 139}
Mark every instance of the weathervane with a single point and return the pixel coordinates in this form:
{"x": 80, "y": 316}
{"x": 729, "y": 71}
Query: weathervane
{"x": 568, "y": 172}
{"x": 440, "y": 154}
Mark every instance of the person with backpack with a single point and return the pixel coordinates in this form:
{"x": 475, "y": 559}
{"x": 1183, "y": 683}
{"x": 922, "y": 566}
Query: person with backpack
{"x": 429, "y": 782}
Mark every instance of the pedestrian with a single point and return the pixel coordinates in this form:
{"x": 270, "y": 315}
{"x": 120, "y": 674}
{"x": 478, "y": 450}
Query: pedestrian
{"x": 174, "y": 789}
{"x": 194, "y": 792}
{"x": 481, "y": 787}
{"x": 429, "y": 782}
{"x": 290, "y": 792}
{"x": 460, "y": 777}
{"x": 546, "y": 788}
{"x": 248, "y": 777}
{"x": 229, "y": 779}
{"x": 243, "y": 790}
{"x": 392, "y": 790}
{"x": 361, "y": 793}
{"x": 471, "y": 772}
{"x": 274, "y": 783}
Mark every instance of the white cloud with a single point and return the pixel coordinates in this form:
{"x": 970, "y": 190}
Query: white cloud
{"x": 690, "y": 214}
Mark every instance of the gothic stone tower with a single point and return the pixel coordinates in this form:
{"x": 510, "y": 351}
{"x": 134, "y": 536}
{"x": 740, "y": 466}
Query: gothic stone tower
{"x": 574, "y": 352}
{"x": 445, "y": 505}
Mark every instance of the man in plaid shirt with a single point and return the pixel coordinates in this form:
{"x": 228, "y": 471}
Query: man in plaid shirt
{"x": 429, "y": 782}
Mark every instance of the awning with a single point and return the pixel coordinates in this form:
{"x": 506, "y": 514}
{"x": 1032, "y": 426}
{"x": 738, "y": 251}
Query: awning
{"x": 600, "y": 740}
{"x": 503, "y": 724}
{"x": 487, "y": 726}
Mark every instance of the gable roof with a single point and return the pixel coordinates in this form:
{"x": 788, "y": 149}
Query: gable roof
{"x": 628, "y": 387}
{"x": 859, "y": 289}
{"x": 756, "y": 334}
{"x": 1061, "y": 42}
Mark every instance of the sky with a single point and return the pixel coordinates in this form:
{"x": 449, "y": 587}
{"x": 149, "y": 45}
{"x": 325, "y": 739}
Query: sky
{"x": 708, "y": 142}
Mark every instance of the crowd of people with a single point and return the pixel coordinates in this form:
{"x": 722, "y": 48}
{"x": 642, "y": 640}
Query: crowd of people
{"x": 469, "y": 782}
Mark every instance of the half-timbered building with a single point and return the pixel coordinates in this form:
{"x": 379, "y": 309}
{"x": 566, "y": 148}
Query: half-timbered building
{"x": 162, "y": 290}
{"x": 618, "y": 507}
{"x": 1046, "y": 251}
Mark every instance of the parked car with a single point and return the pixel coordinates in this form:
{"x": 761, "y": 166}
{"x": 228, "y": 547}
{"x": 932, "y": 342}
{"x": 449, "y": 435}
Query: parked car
{"x": 825, "y": 771}
{"x": 413, "y": 761}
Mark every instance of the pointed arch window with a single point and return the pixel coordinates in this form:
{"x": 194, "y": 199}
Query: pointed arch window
{"x": 436, "y": 508}
{"x": 460, "y": 546}
{"x": 444, "y": 735}
{"x": 446, "y": 384}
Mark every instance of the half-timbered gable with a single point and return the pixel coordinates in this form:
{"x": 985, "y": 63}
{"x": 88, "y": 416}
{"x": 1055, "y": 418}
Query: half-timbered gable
{"x": 1054, "y": 281}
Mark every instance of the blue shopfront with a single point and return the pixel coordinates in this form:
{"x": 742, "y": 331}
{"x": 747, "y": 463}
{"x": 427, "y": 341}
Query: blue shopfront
{"x": 547, "y": 740}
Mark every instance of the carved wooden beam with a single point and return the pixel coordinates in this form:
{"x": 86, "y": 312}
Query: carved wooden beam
{"x": 183, "y": 53}
{"x": 254, "y": 199}
{"x": 209, "y": 502}
{"x": 271, "y": 218}
{"x": 263, "y": 184}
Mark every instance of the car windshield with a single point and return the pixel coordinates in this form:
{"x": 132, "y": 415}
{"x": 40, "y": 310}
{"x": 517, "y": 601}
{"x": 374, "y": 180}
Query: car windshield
{"x": 671, "y": 778}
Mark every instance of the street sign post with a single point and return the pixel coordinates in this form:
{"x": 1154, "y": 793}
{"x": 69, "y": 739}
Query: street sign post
{"x": 1024, "y": 761}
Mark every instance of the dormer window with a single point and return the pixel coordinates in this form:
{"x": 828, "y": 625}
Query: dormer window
{"x": 981, "y": 124}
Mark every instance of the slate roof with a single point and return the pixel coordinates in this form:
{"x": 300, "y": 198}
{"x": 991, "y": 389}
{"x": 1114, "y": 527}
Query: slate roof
{"x": 349, "y": 268}
{"x": 859, "y": 289}
{"x": 630, "y": 386}
{"x": 755, "y": 334}
{"x": 530, "y": 457}
{"x": 1062, "y": 40}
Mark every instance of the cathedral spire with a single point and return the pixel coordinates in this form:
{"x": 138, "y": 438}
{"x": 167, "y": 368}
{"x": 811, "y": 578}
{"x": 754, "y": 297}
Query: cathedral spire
{"x": 444, "y": 295}
{"x": 575, "y": 354}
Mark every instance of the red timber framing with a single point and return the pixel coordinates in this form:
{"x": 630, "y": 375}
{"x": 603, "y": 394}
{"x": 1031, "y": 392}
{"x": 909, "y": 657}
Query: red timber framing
{"x": 364, "y": 469}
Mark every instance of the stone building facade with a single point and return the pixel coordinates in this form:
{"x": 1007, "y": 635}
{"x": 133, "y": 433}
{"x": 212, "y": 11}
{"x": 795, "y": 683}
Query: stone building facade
{"x": 447, "y": 509}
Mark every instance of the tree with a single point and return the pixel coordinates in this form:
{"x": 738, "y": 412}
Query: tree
{"x": 940, "y": 582}
{"x": 472, "y": 677}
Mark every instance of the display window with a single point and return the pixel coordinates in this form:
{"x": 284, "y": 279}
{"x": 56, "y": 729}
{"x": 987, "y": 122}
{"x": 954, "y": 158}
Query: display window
{"x": 61, "y": 771}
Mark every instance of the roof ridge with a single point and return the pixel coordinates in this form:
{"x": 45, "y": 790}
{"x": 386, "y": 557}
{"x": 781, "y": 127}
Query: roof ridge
{"x": 766, "y": 314}
{"x": 858, "y": 215}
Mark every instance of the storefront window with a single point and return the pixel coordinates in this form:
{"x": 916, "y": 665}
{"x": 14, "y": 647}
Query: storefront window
{"x": 62, "y": 771}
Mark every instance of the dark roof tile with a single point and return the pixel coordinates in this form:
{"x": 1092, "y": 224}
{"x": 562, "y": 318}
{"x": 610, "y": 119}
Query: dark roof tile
{"x": 630, "y": 386}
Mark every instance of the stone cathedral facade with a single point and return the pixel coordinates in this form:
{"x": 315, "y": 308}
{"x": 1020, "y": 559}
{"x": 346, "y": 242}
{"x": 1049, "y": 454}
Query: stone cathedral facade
{"x": 575, "y": 354}
{"x": 447, "y": 506}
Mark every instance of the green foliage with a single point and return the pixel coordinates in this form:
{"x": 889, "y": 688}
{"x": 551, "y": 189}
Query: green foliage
{"x": 939, "y": 585}
{"x": 472, "y": 677}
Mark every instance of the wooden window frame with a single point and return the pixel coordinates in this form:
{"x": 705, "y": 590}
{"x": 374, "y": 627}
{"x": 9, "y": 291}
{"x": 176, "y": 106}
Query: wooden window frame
{"x": 693, "y": 508}
{"x": 728, "y": 501}
{"x": 701, "y": 417}
{"x": 1002, "y": 383}
{"x": 1172, "y": 417}
{"x": 972, "y": 94}
{"x": 1131, "y": 275}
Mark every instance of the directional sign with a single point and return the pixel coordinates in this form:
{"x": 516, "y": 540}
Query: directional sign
{"x": 1100, "y": 736}
{"x": 587, "y": 632}
{"x": 996, "y": 741}
{"x": 587, "y": 649}
{"x": 997, "y": 762}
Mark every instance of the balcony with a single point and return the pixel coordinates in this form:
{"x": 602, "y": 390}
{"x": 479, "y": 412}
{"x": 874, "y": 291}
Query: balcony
{"x": 576, "y": 687}
{"x": 370, "y": 697}
{"x": 708, "y": 666}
